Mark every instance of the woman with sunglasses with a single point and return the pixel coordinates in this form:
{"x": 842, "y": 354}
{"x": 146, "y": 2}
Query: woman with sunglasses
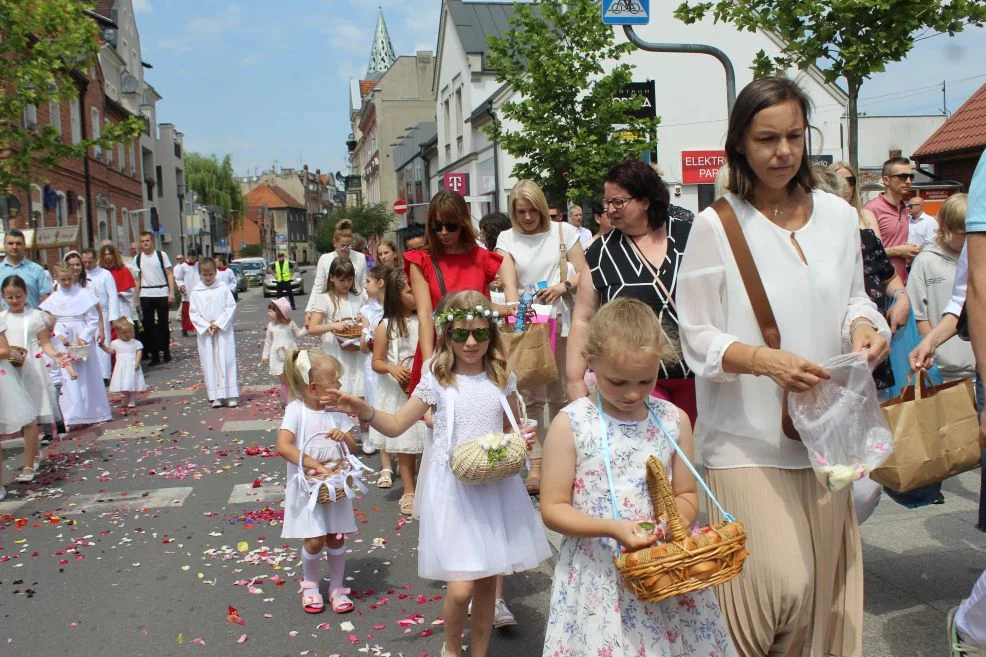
{"x": 891, "y": 214}
{"x": 548, "y": 255}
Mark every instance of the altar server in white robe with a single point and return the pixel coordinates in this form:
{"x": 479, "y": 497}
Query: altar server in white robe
{"x": 211, "y": 310}
{"x": 103, "y": 287}
{"x": 83, "y": 400}
{"x": 187, "y": 279}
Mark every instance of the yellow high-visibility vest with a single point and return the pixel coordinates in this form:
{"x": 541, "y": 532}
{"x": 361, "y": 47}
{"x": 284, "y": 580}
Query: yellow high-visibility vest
{"x": 282, "y": 271}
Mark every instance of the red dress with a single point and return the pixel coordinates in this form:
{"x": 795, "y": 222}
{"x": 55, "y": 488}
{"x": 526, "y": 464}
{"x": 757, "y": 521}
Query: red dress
{"x": 473, "y": 270}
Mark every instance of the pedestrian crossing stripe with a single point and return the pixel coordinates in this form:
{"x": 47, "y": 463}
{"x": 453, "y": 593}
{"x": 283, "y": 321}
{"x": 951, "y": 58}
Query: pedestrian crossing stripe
{"x": 124, "y": 433}
{"x": 251, "y": 425}
{"x": 187, "y": 392}
{"x": 128, "y": 500}
{"x": 247, "y": 494}
{"x": 9, "y": 506}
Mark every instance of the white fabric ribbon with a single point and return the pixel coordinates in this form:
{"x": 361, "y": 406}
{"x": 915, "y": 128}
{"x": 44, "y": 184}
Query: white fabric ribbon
{"x": 304, "y": 364}
{"x": 352, "y": 466}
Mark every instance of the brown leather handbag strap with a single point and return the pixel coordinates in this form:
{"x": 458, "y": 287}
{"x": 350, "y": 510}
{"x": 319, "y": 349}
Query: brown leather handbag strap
{"x": 755, "y": 291}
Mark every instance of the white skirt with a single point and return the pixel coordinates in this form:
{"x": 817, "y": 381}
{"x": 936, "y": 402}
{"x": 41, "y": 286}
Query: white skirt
{"x": 389, "y": 398}
{"x": 127, "y": 377}
{"x": 468, "y": 532}
{"x": 17, "y": 409}
{"x": 332, "y": 518}
{"x": 352, "y": 364}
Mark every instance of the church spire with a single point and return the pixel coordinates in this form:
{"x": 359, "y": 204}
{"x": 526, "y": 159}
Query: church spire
{"x": 382, "y": 55}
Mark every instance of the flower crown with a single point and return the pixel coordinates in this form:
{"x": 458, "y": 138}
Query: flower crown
{"x": 467, "y": 314}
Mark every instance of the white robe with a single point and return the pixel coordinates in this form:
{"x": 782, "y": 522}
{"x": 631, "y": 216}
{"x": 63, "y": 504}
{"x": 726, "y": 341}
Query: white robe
{"x": 228, "y": 278}
{"x": 102, "y": 285}
{"x": 83, "y": 401}
{"x": 215, "y": 304}
{"x": 187, "y": 275}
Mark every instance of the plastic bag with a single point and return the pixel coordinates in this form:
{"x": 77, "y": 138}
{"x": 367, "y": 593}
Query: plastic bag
{"x": 841, "y": 423}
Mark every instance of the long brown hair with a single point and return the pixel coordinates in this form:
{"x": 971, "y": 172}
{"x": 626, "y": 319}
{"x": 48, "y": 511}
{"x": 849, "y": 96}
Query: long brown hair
{"x": 448, "y": 206}
{"x": 756, "y": 97}
{"x": 494, "y": 361}
{"x": 112, "y": 250}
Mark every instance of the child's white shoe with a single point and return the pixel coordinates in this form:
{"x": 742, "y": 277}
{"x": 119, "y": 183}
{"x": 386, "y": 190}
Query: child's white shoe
{"x": 3, "y": 493}
{"x": 232, "y": 403}
{"x": 217, "y": 403}
{"x": 502, "y": 616}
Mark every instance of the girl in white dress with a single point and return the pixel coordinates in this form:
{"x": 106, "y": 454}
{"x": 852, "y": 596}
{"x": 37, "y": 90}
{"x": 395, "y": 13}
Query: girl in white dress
{"x": 211, "y": 310}
{"x": 326, "y": 441}
{"x": 17, "y": 412}
{"x": 282, "y": 335}
{"x": 371, "y": 314}
{"x": 594, "y": 493}
{"x": 469, "y": 533}
{"x": 128, "y": 378}
{"x": 394, "y": 343}
{"x": 77, "y": 324}
{"x": 336, "y": 310}
{"x": 27, "y": 330}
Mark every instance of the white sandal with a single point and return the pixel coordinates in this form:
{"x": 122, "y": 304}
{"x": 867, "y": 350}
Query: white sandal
{"x": 27, "y": 475}
{"x": 386, "y": 479}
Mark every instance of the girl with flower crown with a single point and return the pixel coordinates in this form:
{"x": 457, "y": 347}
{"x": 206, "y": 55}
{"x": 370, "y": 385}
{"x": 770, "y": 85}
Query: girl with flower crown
{"x": 470, "y": 532}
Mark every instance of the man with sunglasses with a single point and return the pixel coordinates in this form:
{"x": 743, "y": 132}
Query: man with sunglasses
{"x": 924, "y": 227}
{"x": 891, "y": 214}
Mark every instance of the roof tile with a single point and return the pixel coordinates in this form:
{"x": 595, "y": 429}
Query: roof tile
{"x": 366, "y": 86}
{"x": 272, "y": 196}
{"x": 964, "y": 130}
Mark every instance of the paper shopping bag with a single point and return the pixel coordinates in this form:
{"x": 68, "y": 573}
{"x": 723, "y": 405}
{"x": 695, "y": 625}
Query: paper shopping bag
{"x": 529, "y": 355}
{"x": 936, "y": 435}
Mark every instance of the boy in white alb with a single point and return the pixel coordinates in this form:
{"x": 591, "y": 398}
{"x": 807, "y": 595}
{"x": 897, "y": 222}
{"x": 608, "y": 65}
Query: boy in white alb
{"x": 212, "y": 309}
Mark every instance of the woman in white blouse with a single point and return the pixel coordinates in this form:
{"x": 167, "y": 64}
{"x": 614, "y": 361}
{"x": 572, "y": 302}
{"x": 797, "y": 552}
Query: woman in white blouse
{"x": 802, "y": 590}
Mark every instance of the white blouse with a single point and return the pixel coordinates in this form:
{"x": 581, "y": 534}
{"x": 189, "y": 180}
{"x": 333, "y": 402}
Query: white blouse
{"x": 739, "y": 416}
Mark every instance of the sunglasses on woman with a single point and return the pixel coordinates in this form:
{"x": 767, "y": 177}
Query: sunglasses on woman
{"x": 460, "y": 335}
{"x": 452, "y": 227}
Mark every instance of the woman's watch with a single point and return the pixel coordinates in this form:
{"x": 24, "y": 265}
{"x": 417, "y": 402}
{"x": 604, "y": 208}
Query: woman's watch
{"x": 568, "y": 285}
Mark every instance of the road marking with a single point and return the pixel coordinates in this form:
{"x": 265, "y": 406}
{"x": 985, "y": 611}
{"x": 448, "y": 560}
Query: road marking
{"x": 257, "y": 388}
{"x": 9, "y": 506}
{"x": 129, "y": 500}
{"x": 247, "y": 494}
{"x": 146, "y": 431}
{"x": 168, "y": 394}
{"x": 251, "y": 425}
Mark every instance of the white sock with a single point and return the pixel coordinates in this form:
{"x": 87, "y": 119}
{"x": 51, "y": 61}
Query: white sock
{"x": 310, "y": 565}
{"x": 337, "y": 567}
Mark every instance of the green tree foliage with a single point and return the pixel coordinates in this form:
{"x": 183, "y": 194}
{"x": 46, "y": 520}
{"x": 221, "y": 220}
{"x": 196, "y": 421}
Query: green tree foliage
{"x": 849, "y": 39}
{"x": 251, "y": 251}
{"x": 368, "y": 221}
{"x": 45, "y": 51}
{"x": 215, "y": 183}
{"x": 553, "y": 58}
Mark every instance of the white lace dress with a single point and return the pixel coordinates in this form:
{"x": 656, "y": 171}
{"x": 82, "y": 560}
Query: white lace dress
{"x": 17, "y": 409}
{"x": 280, "y": 339}
{"x": 127, "y": 374}
{"x": 352, "y": 361}
{"x": 471, "y": 531}
{"x": 389, "y": 397}
{"x": 22, "y": 331}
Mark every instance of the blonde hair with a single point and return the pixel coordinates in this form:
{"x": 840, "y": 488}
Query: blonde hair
{"x": 122, "y": 324}
{"x": 722, "y": 181}
{"x": 625, "y": 326}
{"x": 529, "y": 191}
{"x": 856, "y": 201}
{"x": 829, "y": 181}
{"x": 443, "y": 361}
{"x": 342, "y": 229}
{"x": 322, "y": 365}
{"x": 951, "y": 217}
{"x": 390, "y": 244}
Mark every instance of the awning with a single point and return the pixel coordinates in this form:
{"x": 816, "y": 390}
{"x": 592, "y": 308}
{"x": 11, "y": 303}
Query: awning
{"x": 48, "y": 238}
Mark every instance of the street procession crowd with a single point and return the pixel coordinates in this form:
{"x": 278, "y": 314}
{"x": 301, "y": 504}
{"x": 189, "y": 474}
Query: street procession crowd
{"x": 593, "y": 365}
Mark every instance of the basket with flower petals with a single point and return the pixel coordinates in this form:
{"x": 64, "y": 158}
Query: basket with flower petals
{"x": 17, "y": 356}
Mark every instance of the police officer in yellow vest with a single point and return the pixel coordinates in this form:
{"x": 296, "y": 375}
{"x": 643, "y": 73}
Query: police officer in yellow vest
{"x": 282, "y": 275}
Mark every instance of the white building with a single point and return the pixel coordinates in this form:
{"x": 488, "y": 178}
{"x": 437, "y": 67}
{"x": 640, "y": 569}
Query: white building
{"x": 169, "y": 186}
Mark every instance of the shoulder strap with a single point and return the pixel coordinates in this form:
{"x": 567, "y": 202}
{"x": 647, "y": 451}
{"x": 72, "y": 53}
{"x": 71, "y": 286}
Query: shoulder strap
{"x": 438, "y": 273}
{"x": 749, "y": 273}
{"x": 160, "y": 260}
{"x": 653, "y": 272}
{"x": 562, "y": 255}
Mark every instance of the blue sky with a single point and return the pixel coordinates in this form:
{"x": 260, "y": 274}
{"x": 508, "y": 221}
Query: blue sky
{"x": 268, "y": 81}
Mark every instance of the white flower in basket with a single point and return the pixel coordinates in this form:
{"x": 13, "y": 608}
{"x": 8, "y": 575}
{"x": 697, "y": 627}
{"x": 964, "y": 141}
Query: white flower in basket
{"x": 489, "y": 458}
{"x": 78, "y": 352}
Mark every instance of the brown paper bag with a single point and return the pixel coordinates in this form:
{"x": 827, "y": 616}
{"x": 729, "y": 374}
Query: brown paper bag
{"x": 529, "y": 355}
{"x": 936, "y": 435}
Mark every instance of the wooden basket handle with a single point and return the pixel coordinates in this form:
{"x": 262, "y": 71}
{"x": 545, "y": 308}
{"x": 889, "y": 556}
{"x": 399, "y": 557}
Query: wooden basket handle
{"x": 662, "y": 498}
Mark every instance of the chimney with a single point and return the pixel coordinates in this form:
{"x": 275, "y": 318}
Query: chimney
{"x": 895, "y": 152}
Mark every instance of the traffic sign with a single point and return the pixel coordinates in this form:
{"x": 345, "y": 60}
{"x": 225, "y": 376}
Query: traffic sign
{"x": 626, "y": 12}
{"x": 400, "y": 207}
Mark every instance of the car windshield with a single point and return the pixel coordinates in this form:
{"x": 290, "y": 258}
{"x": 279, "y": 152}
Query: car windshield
{"x": 238, "y": 268}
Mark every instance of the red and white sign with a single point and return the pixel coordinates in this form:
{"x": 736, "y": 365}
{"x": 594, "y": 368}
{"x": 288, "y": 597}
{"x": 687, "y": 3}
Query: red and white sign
{"x": 456, "y": 182}
{"x": 701, "y": 167}
{"x": 400, "y": 207}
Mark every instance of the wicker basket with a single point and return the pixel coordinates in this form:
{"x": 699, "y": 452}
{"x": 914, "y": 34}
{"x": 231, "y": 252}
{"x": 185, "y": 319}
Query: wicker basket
{"x": 325, "y": 492}
{"x": 407, "y": 363}
{"x": 353, "y": 330}
{"x": 470, "y": 461}
{"x": 78, "y": 352}
{"x": 17, "y": 356}
{"x": 688, "y": 563}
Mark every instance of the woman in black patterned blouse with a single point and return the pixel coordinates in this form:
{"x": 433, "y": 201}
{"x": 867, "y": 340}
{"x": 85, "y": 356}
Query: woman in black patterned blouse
{"x": 639, "y": 258}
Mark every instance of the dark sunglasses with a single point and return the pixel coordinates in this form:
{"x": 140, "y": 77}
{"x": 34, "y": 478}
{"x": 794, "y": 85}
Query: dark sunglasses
{"x": 460, "y": 335}
{"x": 851, "y": 180}
{"x": 902, "y": 176}
{"x": 452, "y": 227}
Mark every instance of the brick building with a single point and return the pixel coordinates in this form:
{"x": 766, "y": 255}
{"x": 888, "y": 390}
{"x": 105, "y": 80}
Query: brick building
{"x": 955, "y": 148}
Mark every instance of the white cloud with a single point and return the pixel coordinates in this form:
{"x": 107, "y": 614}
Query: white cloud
{"x": 214, "y": 26}
{"x": 142, "y": 6}
{"x": 350, "y": 37}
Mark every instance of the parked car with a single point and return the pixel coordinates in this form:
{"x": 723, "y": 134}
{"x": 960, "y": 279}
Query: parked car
{"x": 297, "y": 284}
{"x": 241, "y": 280}
{"x": 253, "y": 269}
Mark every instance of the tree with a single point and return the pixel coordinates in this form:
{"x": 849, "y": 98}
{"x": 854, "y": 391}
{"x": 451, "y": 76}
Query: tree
{"x": 368, "y": 221}
{"x": 215, "y": 183}
{"x": 850, "y": 39}
{"x": 568, "y": 104}
{"x": 45, "y": 48}
{"x": 251, "y": 251}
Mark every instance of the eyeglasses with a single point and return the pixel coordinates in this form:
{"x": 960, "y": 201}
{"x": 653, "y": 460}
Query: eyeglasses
{"x": 344, "y": 247}
{"x": 902, "y": 176}
{"x": 618, "y": 203}
{"x": 460, "y": 335}
{"x": 851, "y": 181}
{"x": 452, "y": 227}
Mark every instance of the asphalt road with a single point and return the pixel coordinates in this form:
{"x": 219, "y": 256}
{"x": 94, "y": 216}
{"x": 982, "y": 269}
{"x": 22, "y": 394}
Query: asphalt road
{"x": 141, "y": 533}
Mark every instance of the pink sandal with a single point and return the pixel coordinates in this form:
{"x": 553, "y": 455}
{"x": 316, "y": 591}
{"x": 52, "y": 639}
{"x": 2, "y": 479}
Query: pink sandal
{"x": 340, "y": 601}
{"x": 311, "y": 599}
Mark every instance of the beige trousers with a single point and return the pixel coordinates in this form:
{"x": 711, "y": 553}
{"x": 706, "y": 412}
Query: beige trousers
{"x": 551, "y": 396}
{"x": 801, "y": 591}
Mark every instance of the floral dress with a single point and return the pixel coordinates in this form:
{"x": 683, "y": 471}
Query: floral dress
{"x": 877, "y": 270}
{"x": 592, "y": 613}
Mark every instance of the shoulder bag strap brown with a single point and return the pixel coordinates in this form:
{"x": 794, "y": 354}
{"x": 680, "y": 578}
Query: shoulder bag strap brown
{"x": 563, "y": 255}
{"x": 755, "y": 291}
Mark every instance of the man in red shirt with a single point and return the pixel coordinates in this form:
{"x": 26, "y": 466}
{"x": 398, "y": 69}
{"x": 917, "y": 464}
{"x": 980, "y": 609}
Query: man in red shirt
{"x": 892, "y": 216}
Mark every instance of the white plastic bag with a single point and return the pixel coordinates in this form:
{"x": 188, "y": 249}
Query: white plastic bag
{"x": 841, "y": 423}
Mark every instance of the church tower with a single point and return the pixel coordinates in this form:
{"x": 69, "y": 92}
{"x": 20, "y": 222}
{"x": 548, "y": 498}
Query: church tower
{"x": 382, "y": 54}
